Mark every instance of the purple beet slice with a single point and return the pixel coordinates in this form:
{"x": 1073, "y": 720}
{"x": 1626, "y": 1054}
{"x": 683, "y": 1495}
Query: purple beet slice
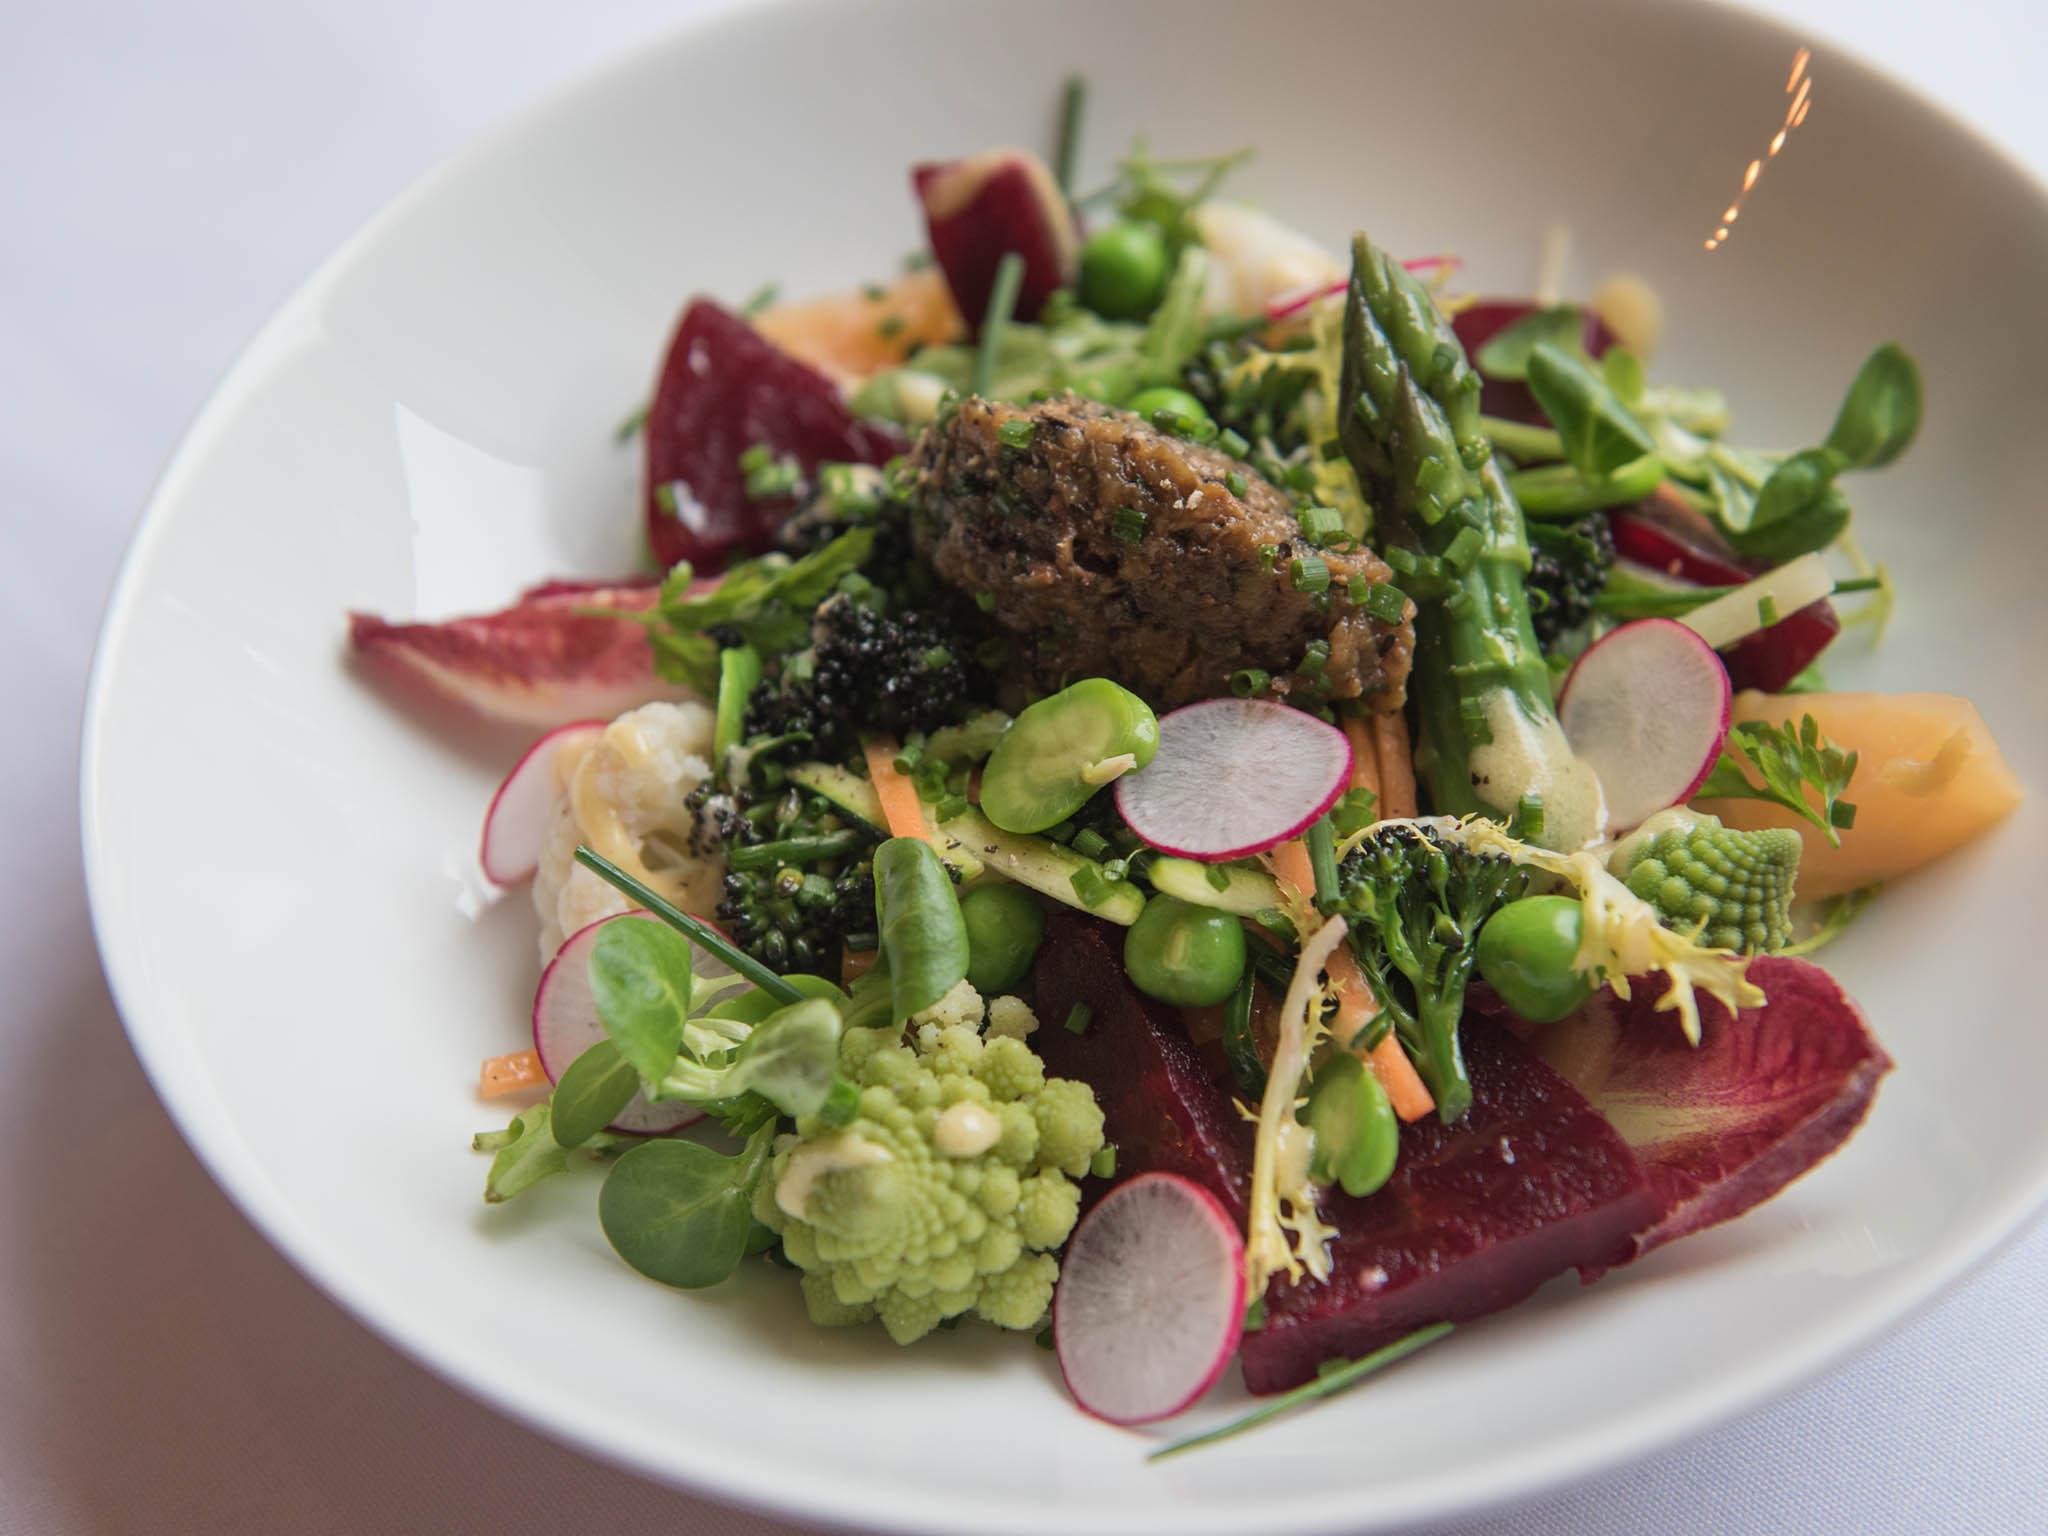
{"x": 1161, "y": 1106}
{"x": 979, "y": 210}
{"x": 724, "y": 388}
{"x": 1724, "y": 1125}
{"x": 1531, "y": 1183}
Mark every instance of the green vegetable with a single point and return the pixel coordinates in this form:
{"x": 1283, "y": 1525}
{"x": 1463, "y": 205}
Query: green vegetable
{"x": 1002, "y": 304}
{"x": 1185, "y": 955}
{"x": 1005, "y": 926}
{"x": 1416, "y": 901}
{"x": 1123, "y": 270}
{"x": 598, "y": 1085}
{"x": 1041, "y": 864}
{"x": 786, "y": 1058}
{"x": 914, "y": 1217}
{"x": 1243, "y": 889}
{"x": 1798, "y": 509}
{"x": 681, "y": 1213}
{"x": 739, "y": 671}
{"x": 1837, "y": 913}
{"x": 1067, "y": 149}
{"x": 1412, "y": 432}
{"x": 923, "y": 937}
{"x": 523, "y": 1155}
{"x": 1564, "y": 490}
{"x": 1788, "y": 764}
{"x": 1732, "y": 889}
{"x": 1174, "y": 409}
{"x": 1598, "y": 433}
{"x": 1061, "y": 750}
{"x": 769, "y": 600}
{"x": 1240, "y": 1047}
{"x": 1334, "y": 1377}
{"x": 1357, "y": 1137}
{"x": 640, "y": 979}
{"x": 1505, "y": 354}
{"x": 1527, "y": 953}
{"x": 702, "y": 934}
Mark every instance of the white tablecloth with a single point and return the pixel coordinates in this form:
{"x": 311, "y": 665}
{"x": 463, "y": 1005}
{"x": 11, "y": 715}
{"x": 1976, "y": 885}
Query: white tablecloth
{"x": 169, "y": 172}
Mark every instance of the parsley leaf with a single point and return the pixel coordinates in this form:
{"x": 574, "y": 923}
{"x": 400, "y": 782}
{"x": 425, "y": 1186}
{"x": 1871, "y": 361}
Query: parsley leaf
{"x": 1788, "y": 763}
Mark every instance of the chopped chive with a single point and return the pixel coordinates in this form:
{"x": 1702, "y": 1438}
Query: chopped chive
{"x": 1078, "y": 1017}
{"x": 1017, "y": 432}
{"x": 1250, "y": 682}
{"x": 1309, "y": 573}
{"x": 1090, "y": 842}
{"x": 1330, "y": 450}
{"x": 910, "y": 758}
{"x": 985, "y": 601}
{"x": 1217, "y": 876}
{"x": 874, "y": 293}
{"x": 949, "y": 807}
{"x": 1129, "y": 524}
{"x": 1383, "y": 602}
{"x": 764, "y": 296}
{"x": 890, "y": 328}
{"x": 1314, "y": 657}
{"x": 1464, "y": 549}
{"x": 936, "y": 657}
{"x": 1236, "y": 484}
{"x": 1103, "y": 1163}
{"x": 1002, "y": 303}
{"x": 665, "y": 497}
{"x": 917, "y": 261}
{"x": 992, "y": 653}
{"x": 1767, "y": 610}
{"x": 1321, "y": 525}
{"x": 1233, "y": 443}
{"x": 1043, "y": 1338}
{"x": 795, "y": 850}
{"x": 1090, "y": 886}
{"x": 1269, "y": 556}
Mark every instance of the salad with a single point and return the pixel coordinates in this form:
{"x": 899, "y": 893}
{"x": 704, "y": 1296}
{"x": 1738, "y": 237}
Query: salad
{"x": 1195, "y": 797}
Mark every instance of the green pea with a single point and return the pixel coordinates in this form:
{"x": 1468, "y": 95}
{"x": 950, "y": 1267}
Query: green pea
{"x": 1185, "y": 955}
{"x": 1177, "y": 402}
{"x": 1004, "y": 926}
{"x": 1123, "y": 270}
{"x": 1061, "y": 750}
{"x": 1358, "y": 1139}
{"x": 1526, "y": 952}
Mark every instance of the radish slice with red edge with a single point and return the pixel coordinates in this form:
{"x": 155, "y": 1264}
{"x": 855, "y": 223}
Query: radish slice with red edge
{"x": 1647, "y": 708}
{"x": 1150, "y": 1302}
{"x": 1233, "y": 777}
{"x": 565, "y": 1022}
{"x": 517, "y": 821}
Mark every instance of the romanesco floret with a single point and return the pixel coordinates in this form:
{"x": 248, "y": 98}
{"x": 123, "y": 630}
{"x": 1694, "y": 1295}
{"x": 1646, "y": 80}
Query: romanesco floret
{"x": 949, "y": 1191}
{"x": 1734, "y": 887}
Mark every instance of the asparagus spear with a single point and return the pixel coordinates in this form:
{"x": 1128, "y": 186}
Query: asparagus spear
{"x": 1490, "y": 741}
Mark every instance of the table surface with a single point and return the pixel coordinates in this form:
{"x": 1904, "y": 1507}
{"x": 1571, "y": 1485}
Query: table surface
{"x": 172, "y": 171}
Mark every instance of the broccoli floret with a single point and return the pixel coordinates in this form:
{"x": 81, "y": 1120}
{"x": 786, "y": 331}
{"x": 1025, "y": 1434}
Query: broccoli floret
{"x": 947, "y": 1194}
{"x": 1568, "y": 567}
{"x": 866, "y": 672}
{"x": 1416, "y": 901}
{"x": 1733, "y": 889}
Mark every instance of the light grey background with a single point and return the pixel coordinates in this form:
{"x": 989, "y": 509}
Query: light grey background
{"x": 168, "y": 172}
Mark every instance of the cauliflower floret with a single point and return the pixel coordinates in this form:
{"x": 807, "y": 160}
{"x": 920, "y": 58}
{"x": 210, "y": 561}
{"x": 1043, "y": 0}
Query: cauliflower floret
{"x": 892, "y": 1224}
{"x": 638, "y": 773}
{"x": 962, "y": 1005}
{"x": 1011, "y": 1017}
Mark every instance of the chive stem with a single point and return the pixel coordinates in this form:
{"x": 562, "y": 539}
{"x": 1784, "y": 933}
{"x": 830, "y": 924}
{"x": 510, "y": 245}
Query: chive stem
{"x": 1002, "y": 303}
{"x": 1067, "y": 148}
{"x": 1322, "y": 857}
{"x": 1329, "y": 1384}
{"x": 702, "y": 934}
{"x": 794, "y": 850}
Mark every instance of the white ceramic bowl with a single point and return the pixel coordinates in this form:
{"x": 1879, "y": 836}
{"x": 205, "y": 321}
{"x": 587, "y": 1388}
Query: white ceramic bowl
{"x": 282, "y": 861}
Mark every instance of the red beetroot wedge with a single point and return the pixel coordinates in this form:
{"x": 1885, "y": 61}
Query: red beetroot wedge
{"x": 723, "y": 389}
{"x": 1160, "y": 1104}
{"x": 980, "y": 209}
{"x": 1725, "y": 1125}
{"x": 543, "y": 662}
{"x": 1532, "y": 1182}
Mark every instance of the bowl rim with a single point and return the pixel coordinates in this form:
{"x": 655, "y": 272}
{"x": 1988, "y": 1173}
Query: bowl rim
{"x": 764, "y": 1483}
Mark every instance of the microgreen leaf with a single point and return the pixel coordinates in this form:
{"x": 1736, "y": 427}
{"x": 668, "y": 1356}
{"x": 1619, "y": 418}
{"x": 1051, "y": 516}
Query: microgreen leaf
{"x": 1881, "y": 414}
{"x": 1798, "y": 511}
{"x": 1505, "y": 354}
{"x": 681, "y": 1213}
{"x": 1787, "y": 763}
{"x": 525, "y": 1154}
{"x": 1599, "y": 433}
{"x": 598, "y": 1084}
{"x": 640, "y": 979}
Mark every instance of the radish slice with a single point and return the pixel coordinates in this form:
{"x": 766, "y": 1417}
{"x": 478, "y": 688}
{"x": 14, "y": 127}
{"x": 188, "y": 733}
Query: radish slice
{"x": 565, "y": 1022}
{"x": 1150, "y": 1302}
{"x": 1233, "y": 777}
{"x": 1647, "y": 708}
{"x": 516, "y": 823}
